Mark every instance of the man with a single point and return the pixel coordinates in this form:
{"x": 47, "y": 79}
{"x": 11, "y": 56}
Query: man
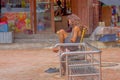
{"x": 75, "y": 35}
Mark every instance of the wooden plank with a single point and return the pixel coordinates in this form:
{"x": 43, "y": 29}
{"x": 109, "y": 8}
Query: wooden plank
{"x": 81, "y": 8}
{"x": 88, "y": 11}
{"x": 106, "y": 15}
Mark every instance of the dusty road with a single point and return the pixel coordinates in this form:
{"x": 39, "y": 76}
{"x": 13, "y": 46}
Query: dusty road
{"x": 31, "y": 64}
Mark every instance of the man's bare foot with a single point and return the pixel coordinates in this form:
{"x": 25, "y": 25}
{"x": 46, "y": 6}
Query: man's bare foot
{"x": 55, "y": 49}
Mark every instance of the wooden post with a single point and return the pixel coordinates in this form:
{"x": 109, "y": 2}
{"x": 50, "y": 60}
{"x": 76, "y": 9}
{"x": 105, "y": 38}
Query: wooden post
{"x": 52, "y": 15}
{"x": 35, "y": 20}
{"x": 33, "y": 15}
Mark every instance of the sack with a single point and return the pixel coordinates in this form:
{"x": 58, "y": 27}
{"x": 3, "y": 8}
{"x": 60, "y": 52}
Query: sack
{"x": 71, "y": 48}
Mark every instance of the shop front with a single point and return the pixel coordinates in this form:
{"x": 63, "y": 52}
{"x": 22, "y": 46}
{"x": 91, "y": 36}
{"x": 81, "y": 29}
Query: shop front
{"x": 27, "y": 16}
{"x": 32, "y": 16}
{"x": 110, "y": 12}
{"x": 16, "y": 13}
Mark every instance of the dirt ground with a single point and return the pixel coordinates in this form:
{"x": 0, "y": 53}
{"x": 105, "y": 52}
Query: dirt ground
{"x": 31, "y": 64}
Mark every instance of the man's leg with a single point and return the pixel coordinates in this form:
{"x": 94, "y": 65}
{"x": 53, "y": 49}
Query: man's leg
{"x": 62, "y": 34}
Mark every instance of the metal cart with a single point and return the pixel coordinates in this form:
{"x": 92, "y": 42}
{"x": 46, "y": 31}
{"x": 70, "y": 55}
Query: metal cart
{"x": 84, "y": 63}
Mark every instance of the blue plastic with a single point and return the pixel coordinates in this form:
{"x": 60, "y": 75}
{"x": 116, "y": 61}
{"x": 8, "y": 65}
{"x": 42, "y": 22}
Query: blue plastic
{"x": 40, "y": 27}
{"x": 108, "y": 38}
{"x": 3, "y": 28}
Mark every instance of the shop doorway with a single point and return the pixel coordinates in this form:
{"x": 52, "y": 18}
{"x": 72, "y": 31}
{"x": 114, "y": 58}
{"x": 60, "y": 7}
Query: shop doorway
{"x": 43, "y": 16}
{"x": 62, "y": 8}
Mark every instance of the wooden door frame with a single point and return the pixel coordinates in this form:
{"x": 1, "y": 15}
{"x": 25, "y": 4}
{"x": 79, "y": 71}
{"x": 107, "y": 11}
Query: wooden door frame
{"x": 52, "y": 16}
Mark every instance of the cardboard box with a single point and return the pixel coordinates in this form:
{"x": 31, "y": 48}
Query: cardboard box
{"x": 6, "y": 37}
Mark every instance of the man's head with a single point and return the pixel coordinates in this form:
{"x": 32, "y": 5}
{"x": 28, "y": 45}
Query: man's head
{"x": 73, "y": 20}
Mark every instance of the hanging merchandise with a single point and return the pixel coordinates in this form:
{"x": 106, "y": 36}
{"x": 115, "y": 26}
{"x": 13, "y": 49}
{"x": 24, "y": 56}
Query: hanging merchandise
{"x": 27, "y": 21}
{"x": 3, "y": 19}
{"x": 118, "y": 10}
{"x": 113, "y": 10}
{"x": 114, "y": 16}
{"x": 117, "y": 15}
{"x": 23, "y": 4}
{"x": 40, "y": 26}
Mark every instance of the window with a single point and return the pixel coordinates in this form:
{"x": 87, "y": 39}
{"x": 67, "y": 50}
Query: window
{"x": 17, "y": 13}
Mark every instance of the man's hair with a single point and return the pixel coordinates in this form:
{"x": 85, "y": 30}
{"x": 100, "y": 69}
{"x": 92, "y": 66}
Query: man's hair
{"x": 75, "y": 20}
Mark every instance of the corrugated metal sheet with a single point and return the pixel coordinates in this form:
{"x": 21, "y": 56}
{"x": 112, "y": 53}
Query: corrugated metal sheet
{"x": 111, "y": 2}
{"x": 6, "y": 37}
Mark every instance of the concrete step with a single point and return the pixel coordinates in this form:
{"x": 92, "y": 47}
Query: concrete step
{"x": 26, "y": 46}
{"x": 43, "y": 40}
{"x": 36, "y": 38}
{"x": 31, "y": 41}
